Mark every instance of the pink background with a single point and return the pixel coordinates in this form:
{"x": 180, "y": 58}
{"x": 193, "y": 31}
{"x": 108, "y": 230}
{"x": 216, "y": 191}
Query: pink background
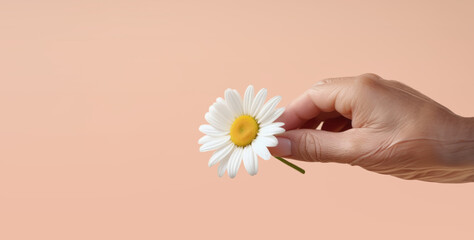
{"x": 100, "y": 103}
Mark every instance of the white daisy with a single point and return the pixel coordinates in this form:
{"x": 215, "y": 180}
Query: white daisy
{"x": 241, "y": 130}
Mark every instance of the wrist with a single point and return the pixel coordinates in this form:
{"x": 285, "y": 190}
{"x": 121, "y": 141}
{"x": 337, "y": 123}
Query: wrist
{"x": 458, "y": 145}
{"x": 467, "y": 124}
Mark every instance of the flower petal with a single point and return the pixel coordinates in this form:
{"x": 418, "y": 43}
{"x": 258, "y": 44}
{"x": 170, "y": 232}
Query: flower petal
{"x": 223, "y": 166}
{"x": 273, "y": 124}
{"x": 214, "y": 120}
{"x": 268, "y": 141}
{"x": 216, "y": 143}
{"x": 212, "y": 131}
{"x": 258, "y": 102}
{"x": 250, "y": 160}
{"x": 233, "y": 101}
{"x": 205, "y": 139}
{"x": 270, "y": 130}
{"x": 272, "y": 117}
{"x": 260, "y": 149}
{"x": 234, "y": 162}
{"x": 222, "y": 119}
{"x": 268, "y": 108}
{"x": 220, "y": 154}
{"x": 248, "y": 98}
{"x": 223, "y": 110}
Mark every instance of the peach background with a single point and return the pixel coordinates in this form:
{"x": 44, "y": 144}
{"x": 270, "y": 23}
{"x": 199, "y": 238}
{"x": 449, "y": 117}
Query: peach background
{"x": 100, "y": 104}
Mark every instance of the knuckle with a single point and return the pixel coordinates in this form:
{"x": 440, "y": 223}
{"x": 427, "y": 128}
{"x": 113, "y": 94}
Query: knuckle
{"x": 309, "y": 147}
{"x": 396, "y": 83}
{"x": 329, "y": 81}
{"x": 322, "y": 82}
{"x": 367, "y": 80}
{"x": 372, "y": 76}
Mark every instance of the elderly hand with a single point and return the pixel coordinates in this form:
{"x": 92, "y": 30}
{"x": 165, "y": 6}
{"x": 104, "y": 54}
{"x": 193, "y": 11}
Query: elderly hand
{"x": 380, "y": 125}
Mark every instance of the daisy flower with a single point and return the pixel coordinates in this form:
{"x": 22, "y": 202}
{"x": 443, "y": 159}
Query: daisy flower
{"x": 241, "y": 130}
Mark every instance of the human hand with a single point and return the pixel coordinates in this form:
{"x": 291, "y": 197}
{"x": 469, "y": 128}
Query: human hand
{"x": 380, "y": 125}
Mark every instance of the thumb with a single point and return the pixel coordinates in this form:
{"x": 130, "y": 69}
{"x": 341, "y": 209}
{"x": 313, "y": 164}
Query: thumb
{"x": 321, "y": 146}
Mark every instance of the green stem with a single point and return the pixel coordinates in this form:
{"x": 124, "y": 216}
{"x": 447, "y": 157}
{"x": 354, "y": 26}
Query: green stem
{"x": 290, "y": 164}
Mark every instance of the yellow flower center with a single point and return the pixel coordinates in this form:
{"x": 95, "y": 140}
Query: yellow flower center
{"x": 244, "y": 130}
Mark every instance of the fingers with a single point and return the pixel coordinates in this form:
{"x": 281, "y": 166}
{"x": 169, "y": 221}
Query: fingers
{"x": 321, "y": 146}
{"x": 335, "y": 94}
{"x": 321, "y": 98}
{"x": 336, "y": 100}
{"x": 299, "y": 112}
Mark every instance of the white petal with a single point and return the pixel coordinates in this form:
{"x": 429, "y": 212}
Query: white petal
{"x": 268, "y": 108}
{"x": 274, "y": 124}
{"x": 224, "y": 121}
{"x": 270, "y": 130}
{"x": 268, "y": 141}
{"x": 212, "y": 131}
{"x": 233, "y": 101}
{"x": 220, "y": 154}
{"x": 250, "y": 160}
{"x": 220, "y": 100}
{"x": 223, "y": 110}
{"x": 216, "y": 122}
{"x": 205, "y": 139}
{"x": 248, "y": 98}
{"x": 258, "y": 102}
{"x": 272, "y": 117}
{"x": 216, "y": 143}
{"x": 234, "y": 162}
{"x": 223, "y": 166}
{"x": 260, "y": 149}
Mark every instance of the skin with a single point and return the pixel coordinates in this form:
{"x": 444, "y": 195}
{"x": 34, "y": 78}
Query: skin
{"x": 380, "y": 125}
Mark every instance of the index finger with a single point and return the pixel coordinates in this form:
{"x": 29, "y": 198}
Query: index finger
{"x": 325, "y": 96}
{"x": 299, "y": 112}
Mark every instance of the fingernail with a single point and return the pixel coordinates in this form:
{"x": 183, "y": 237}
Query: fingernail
{"x": 283, "y": 148}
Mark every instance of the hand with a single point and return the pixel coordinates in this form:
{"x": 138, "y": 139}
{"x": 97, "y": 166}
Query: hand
{"x": 380, "y": 125}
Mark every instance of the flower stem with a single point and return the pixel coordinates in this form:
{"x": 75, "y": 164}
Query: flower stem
{"x": 302, "y": 171}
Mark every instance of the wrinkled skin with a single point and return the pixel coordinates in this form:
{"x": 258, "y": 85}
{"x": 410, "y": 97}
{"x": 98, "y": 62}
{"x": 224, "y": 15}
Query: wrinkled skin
{"x": 381, "y": 125}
